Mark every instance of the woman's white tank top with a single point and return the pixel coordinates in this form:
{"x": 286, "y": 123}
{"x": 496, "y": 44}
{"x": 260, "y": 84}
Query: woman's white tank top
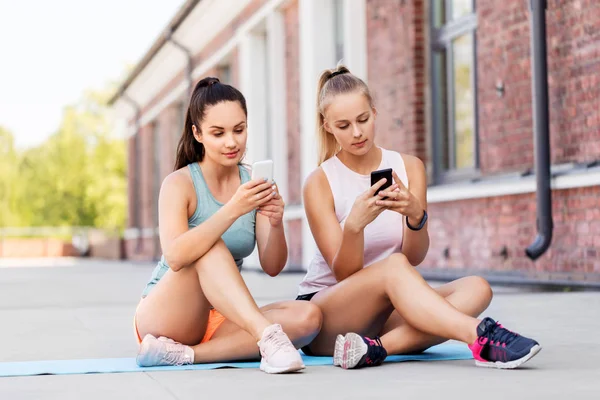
{"x": 382, "y": 237}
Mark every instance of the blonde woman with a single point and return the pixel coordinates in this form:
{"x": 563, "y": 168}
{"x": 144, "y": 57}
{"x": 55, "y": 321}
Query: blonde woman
{"x": 373, "y": 301}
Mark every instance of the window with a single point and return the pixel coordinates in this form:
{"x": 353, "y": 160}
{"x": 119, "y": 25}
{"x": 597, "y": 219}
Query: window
{"x": 454, "y": 91}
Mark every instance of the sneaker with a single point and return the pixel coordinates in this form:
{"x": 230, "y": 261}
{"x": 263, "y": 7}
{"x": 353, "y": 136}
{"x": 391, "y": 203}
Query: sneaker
{"x": 278, "y": 353}
{"x": 355, "y": 351}
{"x": 497, "y": 347}
{"x": 163, "y": 351}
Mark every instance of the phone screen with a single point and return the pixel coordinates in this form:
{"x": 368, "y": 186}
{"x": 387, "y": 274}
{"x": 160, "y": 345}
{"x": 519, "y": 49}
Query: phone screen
{"x": 376, "y": 176}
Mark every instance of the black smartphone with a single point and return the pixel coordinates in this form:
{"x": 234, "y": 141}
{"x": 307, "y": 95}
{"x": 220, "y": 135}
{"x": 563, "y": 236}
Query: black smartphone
{"x": 376, "y": 176}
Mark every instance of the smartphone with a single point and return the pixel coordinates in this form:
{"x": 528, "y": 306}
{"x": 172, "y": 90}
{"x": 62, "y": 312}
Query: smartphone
{"x": 376, "y": 176}
{"x": 263, "y": 170}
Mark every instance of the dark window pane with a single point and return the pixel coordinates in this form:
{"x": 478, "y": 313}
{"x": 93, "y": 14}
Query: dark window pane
{"x": 440, "y": 71}
{"x": 464, "y": 107}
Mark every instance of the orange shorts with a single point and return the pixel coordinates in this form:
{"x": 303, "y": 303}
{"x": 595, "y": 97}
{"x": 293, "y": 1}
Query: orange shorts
{"x": 215, "y": 319}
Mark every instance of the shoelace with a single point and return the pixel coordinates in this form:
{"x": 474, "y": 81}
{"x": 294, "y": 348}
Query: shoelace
{"x": 174, "y": 353}
{"x": 376, "y": 353}
{"x": 497, "y": 333}
{"x": 279, "y": 341}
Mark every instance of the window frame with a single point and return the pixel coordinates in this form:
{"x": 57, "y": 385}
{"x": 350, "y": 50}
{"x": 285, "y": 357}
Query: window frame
{"x": 441, "y": 39}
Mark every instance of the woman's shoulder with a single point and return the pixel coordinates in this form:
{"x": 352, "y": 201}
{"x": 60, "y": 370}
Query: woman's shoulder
{"x": 410, "y": 162}
{"x": 316, "y": 178}
{"x": 178, "y": 181}
{"x": 316, "y": 190}
{"x": 317, "y": 181}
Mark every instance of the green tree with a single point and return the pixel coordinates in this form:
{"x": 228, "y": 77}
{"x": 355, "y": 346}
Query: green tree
{"x": 77, "y": 177}
{"x": 8, "y": 173}
{"x": 107, "y": 174}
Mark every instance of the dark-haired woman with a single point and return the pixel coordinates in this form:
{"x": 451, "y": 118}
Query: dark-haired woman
{"x": 196, "y": 308}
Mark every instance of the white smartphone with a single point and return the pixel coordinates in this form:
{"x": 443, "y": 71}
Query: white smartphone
{"x": 263, "y": 170}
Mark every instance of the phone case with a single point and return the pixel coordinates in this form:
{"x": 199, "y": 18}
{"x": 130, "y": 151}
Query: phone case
{"x": 376, "y": 176}
{"x": 263, "y": 169}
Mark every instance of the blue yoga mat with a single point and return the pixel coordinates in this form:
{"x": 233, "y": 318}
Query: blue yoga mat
{"x": 112, "y": 365}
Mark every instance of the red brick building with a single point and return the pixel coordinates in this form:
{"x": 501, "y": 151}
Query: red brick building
{"x": 452, "y": 82}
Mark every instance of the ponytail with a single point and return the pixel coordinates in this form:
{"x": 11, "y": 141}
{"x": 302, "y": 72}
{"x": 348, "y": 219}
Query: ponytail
{"x": 189, "y": 150}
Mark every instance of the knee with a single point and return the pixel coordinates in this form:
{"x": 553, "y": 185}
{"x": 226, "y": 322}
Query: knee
{"x": 482, "y": 289}
{"x": 309, "y": 318}
{"x": 397, "y": 264}
{"x": 219, "y": 249}
{"x": 176, "y": 262}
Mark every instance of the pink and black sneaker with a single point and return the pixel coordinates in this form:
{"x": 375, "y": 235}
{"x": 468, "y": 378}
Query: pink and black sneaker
{"x": 497, "y": 347}
{"x": 355, "y": 351}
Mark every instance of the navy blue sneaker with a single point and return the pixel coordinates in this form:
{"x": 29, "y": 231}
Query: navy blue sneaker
{"x": 497, "y": 347}
{"x": 355, "y": 351}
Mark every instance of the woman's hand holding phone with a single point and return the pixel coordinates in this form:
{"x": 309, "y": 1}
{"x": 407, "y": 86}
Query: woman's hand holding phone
{"x": 398, "y": 198}
{"x": 273, "y": 208}
{"x": 251, "y": 195}
{"x": 261, "y": 193}
{"x": 365, "y": 208}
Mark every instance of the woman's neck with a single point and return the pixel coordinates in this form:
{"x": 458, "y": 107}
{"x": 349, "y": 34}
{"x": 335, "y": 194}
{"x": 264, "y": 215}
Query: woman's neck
{"x": 218, "y": 173}
{"x": 364, "y": 164}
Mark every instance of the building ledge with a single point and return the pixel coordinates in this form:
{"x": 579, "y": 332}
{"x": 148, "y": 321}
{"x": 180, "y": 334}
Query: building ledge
{"x": 565, "y": 176}
{"x": 540, "y": 279}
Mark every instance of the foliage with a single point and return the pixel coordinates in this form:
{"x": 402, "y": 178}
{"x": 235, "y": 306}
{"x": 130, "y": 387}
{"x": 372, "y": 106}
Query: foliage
{"x": 77, "y": 177}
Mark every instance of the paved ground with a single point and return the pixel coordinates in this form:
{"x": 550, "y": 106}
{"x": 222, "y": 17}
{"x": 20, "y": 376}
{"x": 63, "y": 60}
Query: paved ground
{"x": 73, "y": 309}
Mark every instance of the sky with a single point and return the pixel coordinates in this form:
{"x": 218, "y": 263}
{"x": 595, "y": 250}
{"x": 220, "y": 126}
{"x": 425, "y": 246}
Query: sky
{"x": 51, "y": 51}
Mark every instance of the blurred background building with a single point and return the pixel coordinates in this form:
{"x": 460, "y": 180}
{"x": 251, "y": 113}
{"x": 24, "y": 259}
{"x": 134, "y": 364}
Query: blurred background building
{"x": 452, "y": 83}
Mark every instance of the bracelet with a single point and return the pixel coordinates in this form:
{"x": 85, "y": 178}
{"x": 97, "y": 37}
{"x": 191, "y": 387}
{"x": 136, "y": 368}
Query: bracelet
{"x": 421, "y": 224}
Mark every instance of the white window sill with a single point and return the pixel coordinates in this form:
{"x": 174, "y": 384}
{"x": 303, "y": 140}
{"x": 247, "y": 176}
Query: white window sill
{"x": 574, "y": 178}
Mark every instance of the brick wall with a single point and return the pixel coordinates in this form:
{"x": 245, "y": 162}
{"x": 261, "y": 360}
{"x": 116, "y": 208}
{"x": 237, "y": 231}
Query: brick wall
{"x": 145, "y": 248}
{"x": 574, "y": 79}
{"x": 131, "y": 171}
{"x": 144, "y": 201}
{"x": 292, "y": 73}
{"x": 170, "y": 127}
{"x": 139, "y": 249}
{"x": 492, "y": 233}
{"x": 36, "y": 247}
{"x": 503, "y": 54}
{"x": 396, "y": 76}
{"x": 474, "y": 233}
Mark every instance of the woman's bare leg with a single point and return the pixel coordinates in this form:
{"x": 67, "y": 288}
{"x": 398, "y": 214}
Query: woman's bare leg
{"x": 178, "y": 308}
{"x": 179, "y": 305}
{"x": 363, "y": 303}
{"x": 300, "y": 320}
{"x": 470, "y": 295}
